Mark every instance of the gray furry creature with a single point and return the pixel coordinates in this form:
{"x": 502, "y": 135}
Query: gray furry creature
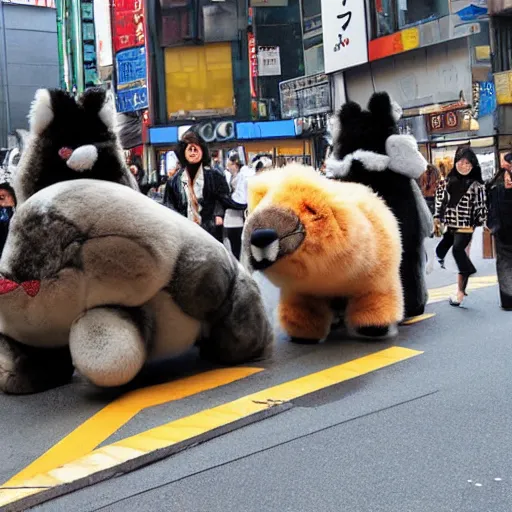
{"x": 98, "y": 277}
{"x": 71, "y": 139}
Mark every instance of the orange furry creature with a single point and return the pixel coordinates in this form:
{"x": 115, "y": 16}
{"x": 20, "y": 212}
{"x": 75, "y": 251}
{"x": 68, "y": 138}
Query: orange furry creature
{"x": 320, "y": 242}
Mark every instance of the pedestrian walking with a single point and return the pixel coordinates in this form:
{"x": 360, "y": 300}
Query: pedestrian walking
{"x": 460, "y": 207}
{"x": 234, "y": 219}
{"x": 7, "y": 207}
{"x": 500, "y": 223}
{"x": 196, "y": 190}
{"x": 429, "y": 181}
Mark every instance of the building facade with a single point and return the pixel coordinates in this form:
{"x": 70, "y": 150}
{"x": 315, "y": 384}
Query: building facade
{"x": 28, "y": 59}
{"x": 433, "y": 56}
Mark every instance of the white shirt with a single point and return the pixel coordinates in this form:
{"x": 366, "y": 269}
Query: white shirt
{"x": 235, "y": 218}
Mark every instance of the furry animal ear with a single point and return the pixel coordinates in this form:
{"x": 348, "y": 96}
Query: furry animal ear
{"x": 381, "y": 105}
{"x": 257, "y": 188}
{"x": 348, "y": 113}
{"x": 41, "y": 111}
{"x": 98, "y": 101}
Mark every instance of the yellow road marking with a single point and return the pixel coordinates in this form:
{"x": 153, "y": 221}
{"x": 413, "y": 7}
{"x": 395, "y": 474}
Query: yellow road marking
{"x": 192, "y": 426}
{"x": 417, "y": 319}
{"x": 111, "y": 418}
{"x": 475, "y": 283}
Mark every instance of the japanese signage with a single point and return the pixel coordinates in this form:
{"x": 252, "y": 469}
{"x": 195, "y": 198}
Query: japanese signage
{"x": 253, "y": 64}
{"x": 445, "y": 122}
{"x": 344, "y": 34}
{"x": 128, "y": 24}
{"x": 305, "y": 96}
{"x": 103, "y": 32}
{"x": 269, "y": 61}
{"x": 131, "y": 80}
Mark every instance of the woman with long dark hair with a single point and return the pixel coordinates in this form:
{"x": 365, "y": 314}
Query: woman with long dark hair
{"x": 500, "y": 223}
{"x": 197, "y": 191}
{"x": 460, "y": 207}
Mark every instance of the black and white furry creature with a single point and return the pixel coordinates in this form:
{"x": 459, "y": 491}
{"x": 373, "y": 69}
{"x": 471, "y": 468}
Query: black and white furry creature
{"x": 96, "y": 276}
{"x": 368, "y": 149}
{"x": 71, "y": 139}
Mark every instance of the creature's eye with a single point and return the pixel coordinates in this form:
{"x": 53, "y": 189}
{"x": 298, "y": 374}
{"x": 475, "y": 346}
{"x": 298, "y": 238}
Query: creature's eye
{"x": 309, "y": 209}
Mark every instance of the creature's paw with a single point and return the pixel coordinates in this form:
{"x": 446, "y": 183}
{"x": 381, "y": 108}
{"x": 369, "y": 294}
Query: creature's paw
{"x": 25, "y": 370}
{"x": 375, "y": 332}
{"x": 83, "y": 158}
{"x": 107, "y": 347}
{"x": 404, "y": 156}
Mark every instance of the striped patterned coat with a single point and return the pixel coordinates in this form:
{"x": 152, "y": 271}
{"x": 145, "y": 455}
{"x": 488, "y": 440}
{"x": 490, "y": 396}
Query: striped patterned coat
{"x": 470, "y": 212}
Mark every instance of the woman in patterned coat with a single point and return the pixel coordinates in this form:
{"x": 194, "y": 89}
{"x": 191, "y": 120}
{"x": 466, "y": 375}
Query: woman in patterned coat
{"x": 197, "y": 191}
{"x": 460, "y": 207}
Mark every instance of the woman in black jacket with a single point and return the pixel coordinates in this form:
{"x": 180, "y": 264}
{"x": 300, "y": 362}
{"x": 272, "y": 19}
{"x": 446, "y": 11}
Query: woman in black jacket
{"x": 198, "y": 192}
{"x": 499, "y": 221}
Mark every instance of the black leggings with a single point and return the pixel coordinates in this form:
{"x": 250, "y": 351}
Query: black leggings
{"x": 235, "y": 240}
{"x": 459, "y": 241}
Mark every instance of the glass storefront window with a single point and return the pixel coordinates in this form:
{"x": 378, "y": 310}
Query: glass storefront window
{"x": 411, "y": 12}
{"x": 384, "y": 17}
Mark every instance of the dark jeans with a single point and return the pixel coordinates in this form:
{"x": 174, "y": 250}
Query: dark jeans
{"x": 459, "y": 242}
{"x": 235, "y": 240}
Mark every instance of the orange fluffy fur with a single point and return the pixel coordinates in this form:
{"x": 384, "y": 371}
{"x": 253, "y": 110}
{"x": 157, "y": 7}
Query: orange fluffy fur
{"x": 352, "y": 249}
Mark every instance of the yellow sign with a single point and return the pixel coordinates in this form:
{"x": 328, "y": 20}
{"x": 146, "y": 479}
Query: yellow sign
{"x": 410, "y": 38}
{"x": 503, "y": 83}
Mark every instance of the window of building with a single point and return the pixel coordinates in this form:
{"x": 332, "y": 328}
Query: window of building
{"x": 411, "y": 12}
{"x": 385, "y": 18}
{"x": 389, "y": 16}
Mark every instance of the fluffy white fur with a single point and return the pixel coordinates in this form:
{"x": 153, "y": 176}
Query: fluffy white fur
{"x": 107, "y": 113}
{"x": 103, "y": 340}
{"x": 372, "y": 161}
{"x": 41, "y": 112}
{"x": 396, "y": 111}
{"x": 405, "y": 157}
{"x": 83, "y": 158}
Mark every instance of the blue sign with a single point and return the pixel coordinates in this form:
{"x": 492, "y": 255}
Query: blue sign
{"x": 487, "y": 98}
{"x": 131, "y": 100}
{"x": 265, "y": 129}
{"x": 131, "y": 88}
{"x": 131, "y": 65}
{"x": 163, "y": 135}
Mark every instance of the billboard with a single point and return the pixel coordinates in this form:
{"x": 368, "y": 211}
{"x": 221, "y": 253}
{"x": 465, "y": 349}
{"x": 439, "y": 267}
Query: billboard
{"x": 344, "y": 34}
{"x": 131, "y": 75}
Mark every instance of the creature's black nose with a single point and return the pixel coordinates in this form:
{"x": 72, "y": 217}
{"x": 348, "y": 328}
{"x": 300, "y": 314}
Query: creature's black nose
{"x": 262, "y": 238}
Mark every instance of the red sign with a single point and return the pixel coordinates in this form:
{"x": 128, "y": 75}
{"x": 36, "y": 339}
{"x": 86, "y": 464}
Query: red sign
{"x": 127, "y": 24}
{"x": 253, "y": 64}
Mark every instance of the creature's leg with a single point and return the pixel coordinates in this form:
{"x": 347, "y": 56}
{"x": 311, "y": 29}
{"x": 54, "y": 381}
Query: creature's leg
{"x": 375, "y": 315}
{"x": 244, "y": 333}
{"x": 413, "y": 282}
{"x": 25, "y": 369}
{"x": 307, "y": 320}
{"x": 108, "y": 345}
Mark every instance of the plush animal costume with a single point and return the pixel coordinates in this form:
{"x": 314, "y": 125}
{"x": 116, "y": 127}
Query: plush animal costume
{"x": 320, "y": 241}
{"x": 71, "y": 139}
{"x": 368, "y": 150}
{"x": 95, "y": 275}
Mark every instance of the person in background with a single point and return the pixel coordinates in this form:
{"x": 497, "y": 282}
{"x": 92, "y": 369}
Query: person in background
{"x": 234, "y": 219}
{"x": 7, "y": 208}
{"x": 461, "y": 207}
{"x": 261, "y": 162}
{"x": 429, "y": 182}
{"x": 499, "y": 221}
{"x": 196, "y": 190}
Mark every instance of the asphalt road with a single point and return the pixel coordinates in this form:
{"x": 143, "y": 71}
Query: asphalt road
{"x": 427, "y": 434}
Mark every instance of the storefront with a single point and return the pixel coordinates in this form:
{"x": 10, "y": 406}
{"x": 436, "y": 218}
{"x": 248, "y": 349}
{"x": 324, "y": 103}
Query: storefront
{"x": 285, "y": 140}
